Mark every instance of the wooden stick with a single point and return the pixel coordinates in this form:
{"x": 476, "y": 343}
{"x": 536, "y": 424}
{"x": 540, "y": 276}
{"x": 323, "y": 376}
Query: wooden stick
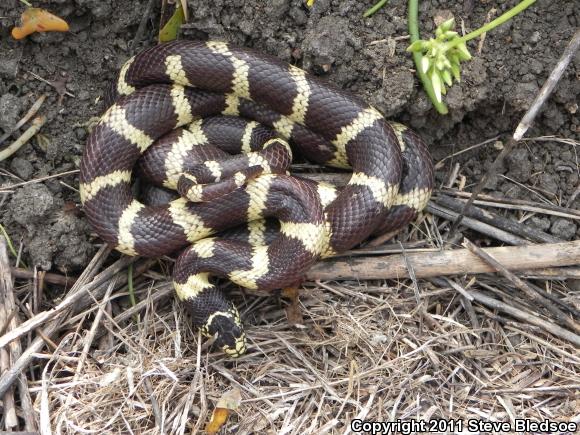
{"x": 521, "y": 285}
{"x": 515, "y": 204}
{"x": 452, "y": 262}
{"x": 36, "y": 125}
{"x": 527, "y": 317}
{"x": 51, "y": 278}
{"x": 31, "y": 112}
{"x": 10, "y": 418}
{"x": 497, "y": 221}
{"x": 474, "y": 224}
{"x": 559, "y": 273}
{"x": 7, "y": 292}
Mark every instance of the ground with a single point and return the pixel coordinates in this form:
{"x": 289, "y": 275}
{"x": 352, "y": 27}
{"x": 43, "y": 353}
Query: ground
{"x": 39, "y": 202}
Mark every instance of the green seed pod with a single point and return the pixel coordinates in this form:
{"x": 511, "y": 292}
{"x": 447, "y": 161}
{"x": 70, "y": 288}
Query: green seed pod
{"x": 446, "y": 76}
{"x": 436, "y": 82}
{"x": 425, "y": 63}
{"x": 448, "y": 25}
{"x": 416, "y": 46}
{"x": 456, "y": 71}
{"x": 463, "y": 52}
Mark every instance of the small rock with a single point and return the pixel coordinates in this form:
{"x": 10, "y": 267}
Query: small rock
{"x": 540, "y": 223}
{"x": 83, "y": 95}
{"x": 535, "y": 38}
{"x": 563, "y": 228}
{"x": 22, "y": 168}
{"x": 378, "y": 339}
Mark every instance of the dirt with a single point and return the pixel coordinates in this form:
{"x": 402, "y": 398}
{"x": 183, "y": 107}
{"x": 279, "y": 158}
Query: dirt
{"x": 365, "y": 56}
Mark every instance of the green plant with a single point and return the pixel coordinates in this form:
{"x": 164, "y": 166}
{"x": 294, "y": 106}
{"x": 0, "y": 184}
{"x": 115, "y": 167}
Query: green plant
{"x": 375, "y": 8}
{"x": 438, "y": 59}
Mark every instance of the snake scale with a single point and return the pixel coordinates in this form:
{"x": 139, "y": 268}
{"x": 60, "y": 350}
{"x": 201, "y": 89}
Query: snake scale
{"x": 180, "y": 109}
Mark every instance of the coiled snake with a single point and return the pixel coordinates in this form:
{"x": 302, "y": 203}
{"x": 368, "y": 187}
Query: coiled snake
{"x": 287, "y": 222}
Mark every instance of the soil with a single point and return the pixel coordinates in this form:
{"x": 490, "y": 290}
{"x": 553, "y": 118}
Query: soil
{"x": 365, "y": 56}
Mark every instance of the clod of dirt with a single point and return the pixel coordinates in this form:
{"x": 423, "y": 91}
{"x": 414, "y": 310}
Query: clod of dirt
{"x": 396, "y": 90}
{"x": 523, "y": 95}
{"x": 326, "y": 43}
{"x": 73, "y": 249}
{"x": 22, "y": 168}
{"x": 563, "y": 228}
{"x": 520, "y": 167}
{"x": 549, "y": 183}
{"x": 10, "y": 56}
{"x": 541, "y": 223}
{"x": 10, "y": 107}
{"x": 53, "y": 236}
{"x": 32, "y": 204}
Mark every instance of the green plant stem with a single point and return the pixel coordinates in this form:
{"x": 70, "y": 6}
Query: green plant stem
{"x": 493, "y": 24}
{"x": 413, "y": 22}
{"x": 26, "y": 3}
{"x": 375, "y": 8}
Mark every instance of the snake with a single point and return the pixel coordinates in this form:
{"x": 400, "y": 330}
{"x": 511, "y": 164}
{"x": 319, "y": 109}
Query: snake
{"x": 220, "y": 124}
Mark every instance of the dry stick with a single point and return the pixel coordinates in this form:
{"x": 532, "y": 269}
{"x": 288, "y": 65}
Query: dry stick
{"x": 524, "y": 124}
{"x": 554, "y": 273}
{"x": 10, "y": 418}
{"x": 7, "y": 189}
{"x": 31, "y": 112}
{"x": 560, "y": 316}
{"x": 37, "y": 124}
{"x": 7, "y": 294}
{"x": 154, "y": 405}
{"x": 476, "y": 225}
{"x": 448, "y": 262}
{"x": 51, "y": 278}
{"x": 527, "y": 317}
{"x": 516, "y": 204}
{"x": 497, "y": 221}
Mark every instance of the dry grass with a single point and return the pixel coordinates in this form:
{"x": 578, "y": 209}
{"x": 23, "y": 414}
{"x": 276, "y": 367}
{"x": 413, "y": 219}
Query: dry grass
{"x": 376, "y": 351}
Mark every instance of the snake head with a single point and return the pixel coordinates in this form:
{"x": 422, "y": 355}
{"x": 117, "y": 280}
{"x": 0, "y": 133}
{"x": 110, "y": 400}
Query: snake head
{"x": 229, "y": 332}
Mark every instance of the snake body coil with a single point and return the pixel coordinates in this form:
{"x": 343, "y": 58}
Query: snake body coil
{"x": 180, "y": 84}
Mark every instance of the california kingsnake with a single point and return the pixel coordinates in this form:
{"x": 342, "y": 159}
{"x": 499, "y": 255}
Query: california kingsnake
{"x": 182, "y": 82}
